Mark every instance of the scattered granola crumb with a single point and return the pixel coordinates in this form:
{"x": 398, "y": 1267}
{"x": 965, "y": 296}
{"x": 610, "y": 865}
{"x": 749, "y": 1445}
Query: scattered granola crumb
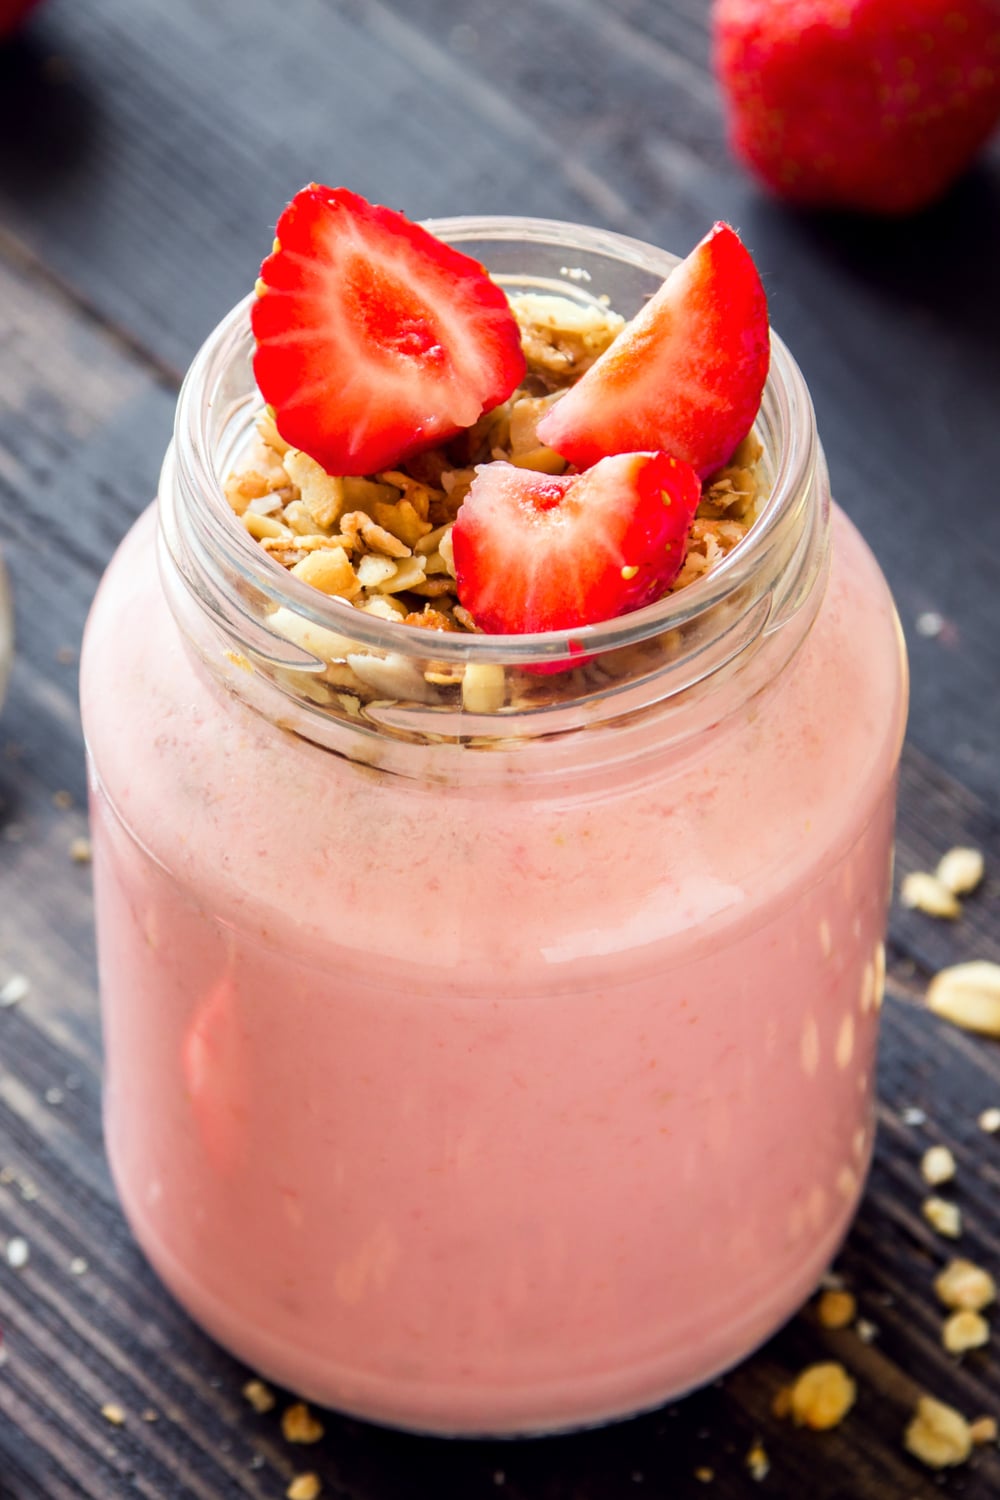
{"x": 304, "y": 1487}
{"x": 965, "y": 1286}
{"x": 18, "y": 1253}
{"x": 78, "y": 1266}
{"x": 983, "y": 1430}
{"x": 80, "y": 851}
{"x": 922, "y": 891}
{"x": 968, "y": 995}
{"x": 866, "y": 1331}
{"x": 938, "y": 1435}
{"x": 113, "y": 1413}
{"x": 989, "y": 1121}
{"x": 943, "y": 1216}
{"x": 822, "y": 1396}
{"x": 149, "y": 1415}
{"x": 836, "y": 1309}
{"x": 757, "y": 1462}
{"x": 260, "y": 1396}
{"x": 54, "y": 1097}
{"x": 62, "y": 799}
{"x": 781, "y": 1406}
{"x": 298, "y": 1425}
{"x": 14, "y": 990}
{"x": 937, "y": 1165}
{"x": 913, "y": 1115}
{"x": 960, "y": 870}
{"x": 704, "y": 1476}
{"x": 965, "y": 1330}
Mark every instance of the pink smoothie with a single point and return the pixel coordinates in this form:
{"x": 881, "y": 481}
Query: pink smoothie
{"x": 500, "y": 1107}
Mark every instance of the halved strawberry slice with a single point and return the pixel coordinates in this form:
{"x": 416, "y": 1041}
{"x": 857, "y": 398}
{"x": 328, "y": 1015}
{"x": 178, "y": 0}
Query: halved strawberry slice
{"x": 537, "y": 552}
{"x": 686, "y": 375}
{"x": 374, "y": 339}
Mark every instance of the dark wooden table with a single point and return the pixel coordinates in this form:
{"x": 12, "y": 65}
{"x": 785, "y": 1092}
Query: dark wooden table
{"x": 145, "y": 149}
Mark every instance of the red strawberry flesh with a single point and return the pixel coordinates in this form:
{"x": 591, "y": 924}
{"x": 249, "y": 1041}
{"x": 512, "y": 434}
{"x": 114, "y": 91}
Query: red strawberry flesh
{"x": 685, "y": 376}
{"x": 374, "y": 339}
{"x": 535, "y": 552}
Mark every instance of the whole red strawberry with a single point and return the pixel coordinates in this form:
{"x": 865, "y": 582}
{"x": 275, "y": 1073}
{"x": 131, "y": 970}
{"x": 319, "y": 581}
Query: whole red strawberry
{"x": 12, "y": 13}
{"x": 864, "y": 104}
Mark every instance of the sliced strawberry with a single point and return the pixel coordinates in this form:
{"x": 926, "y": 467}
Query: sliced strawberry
{"x": 374, "y": 339}
{"x": 686, "y": 375}
{"x": 537, "y": 552}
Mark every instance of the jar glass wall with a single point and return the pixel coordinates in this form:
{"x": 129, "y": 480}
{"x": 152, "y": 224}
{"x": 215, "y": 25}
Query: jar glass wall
{"x": 504, "y": 1068}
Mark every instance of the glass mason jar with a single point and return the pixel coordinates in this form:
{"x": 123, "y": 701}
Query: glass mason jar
{"x": 496, "y": 1054}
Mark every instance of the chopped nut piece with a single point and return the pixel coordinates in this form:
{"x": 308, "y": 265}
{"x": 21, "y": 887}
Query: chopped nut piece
{"x": 781, "y": 1406}
{"x": 989, "y": 1121}
{"x": 836, "y": 1309}
{"x": 260, "y": 1396}
{"x": 298, "y": 1425}
{"x": 866, "y": 1331}
{"x": 260, "y": 527}
{"x": 965, "y": 1286}
{"x": 330, "y": 571}
{"x": 968, "y": 995}
{"x": 149, "y": 1415}
{"x": 304, "y": 1487}
{"x": 757, "y": 1462}
{"x": 960, "y": 870}
{"x": 483, "y": 687}
{"x": 965, "y": 1330}
{"x": 924, "y": 892}
{"x": 938, "y": 1435}
{"x": 822, "y": 1396}
{"x": 704, "y": 1475}
{"x": 407, "y": 573}
{"x": 943, "y": 1216}
{"x": 113, "y": 1413}
{"x": 322, "y": 493}
{"x": 937, "y": 1165}
{"x": 983, "y": 1430}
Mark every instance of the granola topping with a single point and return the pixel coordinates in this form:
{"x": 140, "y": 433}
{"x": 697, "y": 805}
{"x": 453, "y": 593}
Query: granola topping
{"x": 382, "y": 543}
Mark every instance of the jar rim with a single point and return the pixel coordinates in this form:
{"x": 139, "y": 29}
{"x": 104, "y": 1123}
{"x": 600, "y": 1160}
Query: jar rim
{"x": 232, "y": 553}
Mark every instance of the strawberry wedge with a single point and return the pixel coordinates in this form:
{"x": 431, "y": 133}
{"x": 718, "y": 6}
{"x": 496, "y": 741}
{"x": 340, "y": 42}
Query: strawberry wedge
{"x": 685, "y": 376}
{"x": 537, "y": 552}
{"x": 374, "y": 339}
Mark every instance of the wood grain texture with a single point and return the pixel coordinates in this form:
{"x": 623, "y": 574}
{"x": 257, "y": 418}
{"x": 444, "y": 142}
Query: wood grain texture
{"x": 144, "y": 151}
